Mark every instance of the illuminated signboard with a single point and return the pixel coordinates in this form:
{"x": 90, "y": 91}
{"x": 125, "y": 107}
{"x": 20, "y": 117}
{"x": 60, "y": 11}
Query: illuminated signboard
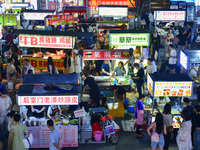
{"x": 41, "y": 63}
{"x": 167, "y": 15}
{"x": 35, "y": 16}
{"x": 45, "y": 41}
{"x": 113, "y": 11}
{"x": 8, "y": 19}
{"x": 105, "y": 54}
{"x": 179, "y": 89}
{"x": 150, "y": 84}
{"x": 129, "y": 39}
{"x": 48, "y": 100}
{"x": 184, "y": 60}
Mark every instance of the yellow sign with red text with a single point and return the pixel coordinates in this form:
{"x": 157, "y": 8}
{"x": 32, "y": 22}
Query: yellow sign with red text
{"x": 41, "y": 63}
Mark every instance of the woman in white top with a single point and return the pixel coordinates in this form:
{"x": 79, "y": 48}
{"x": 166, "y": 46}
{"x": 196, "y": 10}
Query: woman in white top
{"x": 172, "y": 59}
{"x": 168, "y": 120}
{"x": 184, "y": 139}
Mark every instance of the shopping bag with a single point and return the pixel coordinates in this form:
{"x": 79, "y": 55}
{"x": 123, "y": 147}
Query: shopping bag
{"x": 10, "y": 85}
{"x": 28, "y": 140}
{"x": 109, "y": 130}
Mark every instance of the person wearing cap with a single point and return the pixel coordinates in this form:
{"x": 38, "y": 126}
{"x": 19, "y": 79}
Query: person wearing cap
{"x": 28, "y": 67}
{"x": 172, "y": 59}
{"x": 141, "y": 62}
{"x": 78, "y": 63}
{"x": 120, "y": 70}
{"x": 5, "y": 108}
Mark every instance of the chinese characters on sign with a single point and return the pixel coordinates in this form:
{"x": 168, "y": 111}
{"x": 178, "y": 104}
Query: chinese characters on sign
{"x": 96, "y": 3}
{"x": 68, "y": 136}
{"x": 113, "y": 11}
{"x": 45, "y": 41}
{"x": 129, "y": 39}
{"x": 105, "y": 54}
{"x": 41, "y": 63}
{"x": 170, "y": 15}
{"x": 48, "y": 100}
{"x": 60, "y": 19}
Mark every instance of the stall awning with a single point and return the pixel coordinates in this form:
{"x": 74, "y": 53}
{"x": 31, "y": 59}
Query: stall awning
{"x": 75, "y": 9}
{"x": 51, "y": 79}
{"x": 51, "y": 33}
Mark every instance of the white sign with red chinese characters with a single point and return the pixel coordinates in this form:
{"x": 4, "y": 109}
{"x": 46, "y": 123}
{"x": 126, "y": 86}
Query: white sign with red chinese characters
{"x": 68, "y": 136}
{"x": 45, "y": 41}
{"x": 79, "y": 113}
{"x": 170, "y": 15}
{"x": 48, "y": 100}
{"x": 35, "y": 16}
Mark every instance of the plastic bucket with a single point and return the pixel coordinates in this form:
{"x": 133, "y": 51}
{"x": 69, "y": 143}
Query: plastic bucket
{"x": 98, "y": 135}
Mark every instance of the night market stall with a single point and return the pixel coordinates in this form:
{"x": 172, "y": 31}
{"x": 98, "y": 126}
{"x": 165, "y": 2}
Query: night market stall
{"x": 55, "y": 93}
{"x": 169, "y": 85}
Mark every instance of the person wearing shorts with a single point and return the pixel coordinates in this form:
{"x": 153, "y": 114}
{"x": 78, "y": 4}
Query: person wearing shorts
{"x": 172, "y": 59}
{"x": 160, "y": 143}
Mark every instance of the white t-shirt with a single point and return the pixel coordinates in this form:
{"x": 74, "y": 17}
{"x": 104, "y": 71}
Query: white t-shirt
{"x": 30, "y": 27}
{"x": 169, "y": 36}
{"x": 154, "y": 66}
{"x": 29, "y": 68}
{"x": 150, "y": 69}
{"x": 4, "y": 106}
{"x": 141, "y": 65}
{"x": 90, "y": 29}
{"x": 173, "y": 53}
{"x": 163, "y": 102}
{"x": 72, "y": 68}
{"x": 151, "y": 17}
{"x": 78, "y": 64}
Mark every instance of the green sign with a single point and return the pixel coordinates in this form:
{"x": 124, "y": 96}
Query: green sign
{"x": 8, "y": 19}
{"x": 129, "y": 39}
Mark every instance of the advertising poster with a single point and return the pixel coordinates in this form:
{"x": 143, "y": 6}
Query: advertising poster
{"x": 52, "y": 5}
{"x": 113, "y": 11}
{"x": 61, "y": 19}
{"x": 180, "y": 89}
{"x": 129, "y": 39}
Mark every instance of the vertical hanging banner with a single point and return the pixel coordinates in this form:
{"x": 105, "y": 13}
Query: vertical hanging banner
{"x": 52, "y": 5}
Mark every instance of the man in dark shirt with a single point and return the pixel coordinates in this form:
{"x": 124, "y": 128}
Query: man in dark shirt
{"x": 80, "y": 17}
{"x": 105, "y": 68}
{"x": 182, "y": 41}
{"x": 95, "y": 95}
{"x": 188, "y": 34}
{"x": 139, "y": 78}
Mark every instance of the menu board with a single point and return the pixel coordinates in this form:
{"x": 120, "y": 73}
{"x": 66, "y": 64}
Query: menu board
{"x": 68, "y": 136}
{"x": 173, "y": 89}
{"x": 129, "y": 39}
{"x": 150, "y": 84}
{"x": 167, "y": 15}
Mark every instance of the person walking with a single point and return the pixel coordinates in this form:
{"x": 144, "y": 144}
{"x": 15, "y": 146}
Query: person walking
{"x": 54, "y": 137}
{"x": 168, "y": 120}
{"x": 139, "y": 78}
{"x": 172, "y": 59}
{"x": 181, "y": 41}
{"x": 184, "y": 139}
{"x": 188, "y": 34}
{"x": 139, "y": 115}
{"x": 11, "y": 72}
{"x": 197, "y": 128}
{"x": 169, "y": 38}
{"x": 17, "y": 132}
{"x": 158, "y": 129}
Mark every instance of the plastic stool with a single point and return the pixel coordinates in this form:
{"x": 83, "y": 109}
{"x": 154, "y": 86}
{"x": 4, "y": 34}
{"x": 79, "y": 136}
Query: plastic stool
{"x": 126, "y": 102}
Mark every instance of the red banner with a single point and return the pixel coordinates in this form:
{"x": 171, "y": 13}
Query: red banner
{"x": 105, "y": 54}
{"x": 61, "y": 19}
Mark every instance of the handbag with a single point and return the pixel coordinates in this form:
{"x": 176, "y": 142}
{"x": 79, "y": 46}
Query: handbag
{"x": 170, "y": 129}
{"x": 28, "y": 140}
{"x": 155, "y": 137}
